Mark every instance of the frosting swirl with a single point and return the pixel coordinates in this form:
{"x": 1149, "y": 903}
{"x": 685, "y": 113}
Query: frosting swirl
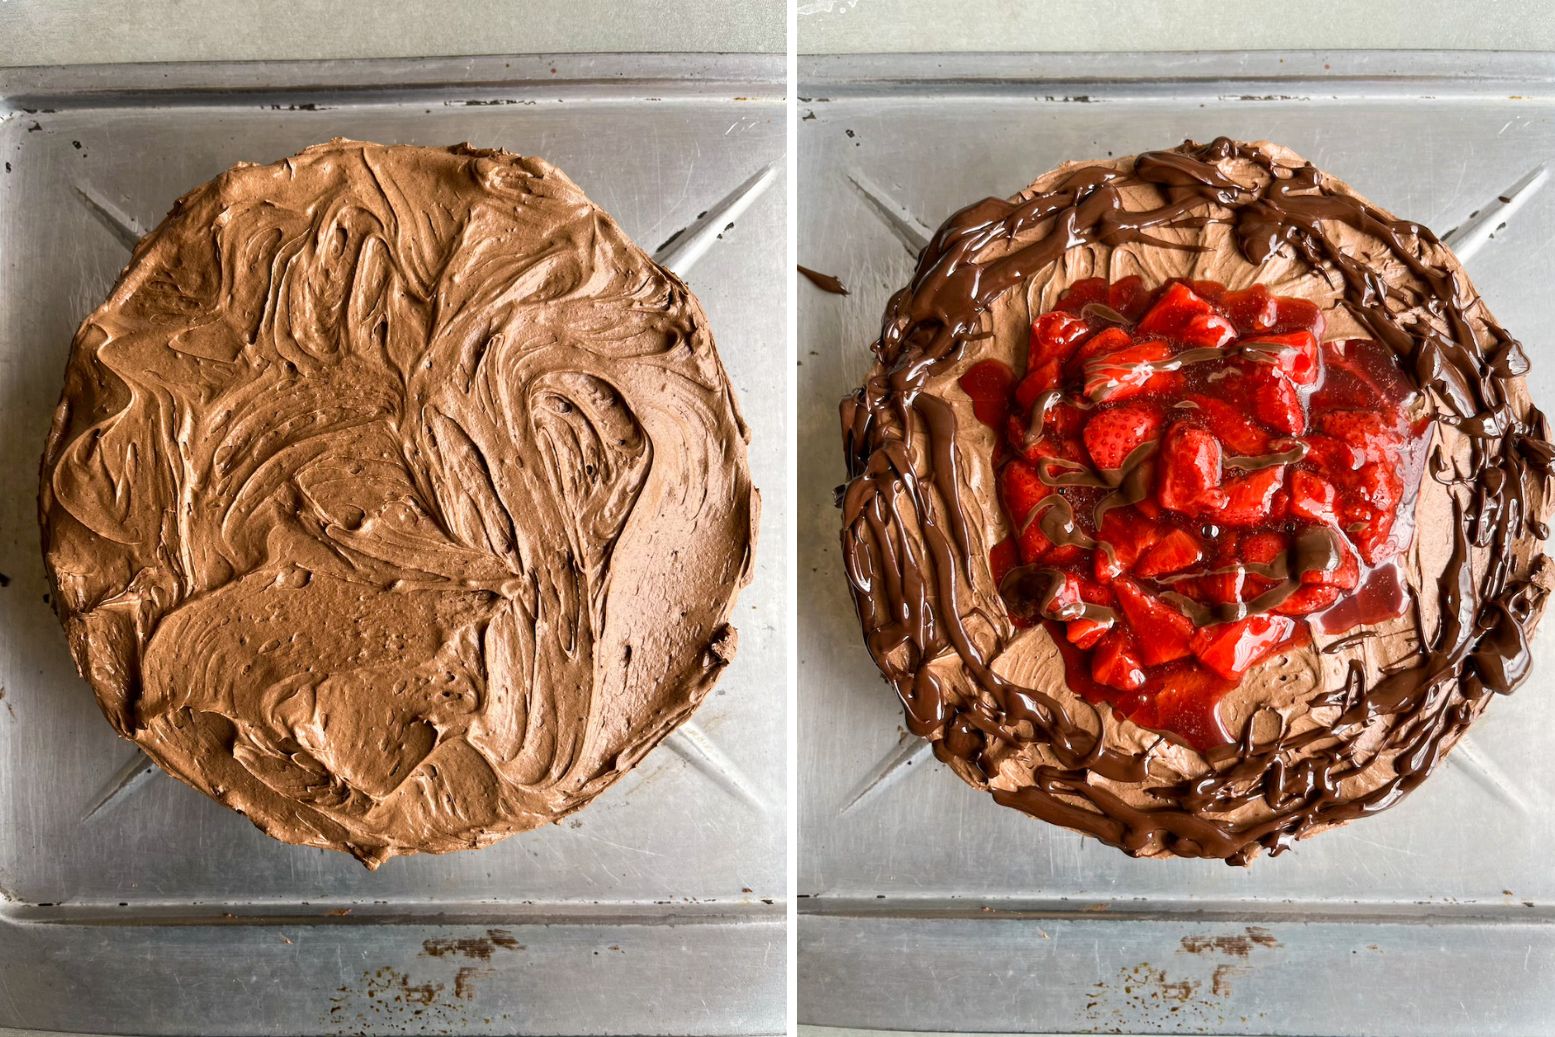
{"x": 396, "y": 499}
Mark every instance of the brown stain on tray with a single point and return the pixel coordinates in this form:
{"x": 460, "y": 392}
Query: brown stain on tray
{"x": 478, "y": 947}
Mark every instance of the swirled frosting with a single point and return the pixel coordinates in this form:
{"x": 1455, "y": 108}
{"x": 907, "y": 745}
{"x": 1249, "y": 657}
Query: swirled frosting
{"x": 1324, "y": 734}
{"x": 396, "y": 499}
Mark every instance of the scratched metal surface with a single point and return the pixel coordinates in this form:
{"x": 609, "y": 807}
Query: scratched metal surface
{"x": 927, "y": 906}
{"x": 133, "y": 904}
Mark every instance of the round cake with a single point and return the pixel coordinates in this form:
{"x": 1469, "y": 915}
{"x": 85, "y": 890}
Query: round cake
{"x": 1195, "y": 502}
{"x": 396, "y": 499}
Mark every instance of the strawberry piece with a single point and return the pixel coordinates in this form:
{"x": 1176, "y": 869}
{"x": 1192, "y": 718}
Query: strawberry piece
{"x": 1174, "y": 552}
{"x": 1115, "y": 661}
{"x": 1107, "y": 340}
{"x": 1054, "y": 336}
{"x": 1333, "y": 456}
{"x": 988, "y": 384}
{"x": 1294, "y": 352}
{"x": 1128, "y": 372}
{"x": 1212, "y": 292}
{"x": 1039, "y": 379}
{"x": 1262, "y": 548}
{"x": 1161, "y": 632}
{"x": 1365, "y": 430}
{"x": 1082, "y": 293}
{"x": 1020, "y": 491}
{"x": 1128, "y": 296}
{"x": 1370, "y": 511}
{"x": 1060, "y": 434}
{"x": 1292, "y": 314}
{"x": 1344, "y": 575}
{"x": 1085, "y": 633}
{"x": 1114, "y": 433}
{"x": 1309, "y": 598}
{"x": 1250, "y": 499}
{"x": 1231, "y": 649}
{"x": 1232, "y": 425}
{"x": 1002, "y": 557}
{"x": 1183, "y": 316}
{"x": 1122, "y": 538}
{"x": 1190, "y": 471}
{"x": 1274, "y": 399}
{"x": 1372, "y": 365}
{"x": 1186, "y": 705}
{"x": 1251, "y": 309}
{"x": 1312, "y": 497}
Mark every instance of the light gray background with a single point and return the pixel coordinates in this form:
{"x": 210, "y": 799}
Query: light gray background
{"x": 889, "y": 26}
{"x": 51, "y": 32}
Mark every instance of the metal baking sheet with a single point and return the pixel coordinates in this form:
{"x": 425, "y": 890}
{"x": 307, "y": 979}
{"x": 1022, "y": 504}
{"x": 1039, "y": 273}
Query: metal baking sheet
{"x": 135, "y": 905}
{"x": 924, "y": 905}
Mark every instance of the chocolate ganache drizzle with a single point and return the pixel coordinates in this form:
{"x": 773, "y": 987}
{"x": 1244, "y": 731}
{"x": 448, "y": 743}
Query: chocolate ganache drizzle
{"x": 1323, "y": 734}
{"x": 396, "y": 499}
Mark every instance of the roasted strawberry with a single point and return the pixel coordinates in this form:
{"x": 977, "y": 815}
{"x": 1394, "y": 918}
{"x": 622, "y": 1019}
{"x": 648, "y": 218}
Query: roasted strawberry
{"x": 1251, "y": 309}
{"x": 1344, "y": 574}
{"x": 1250, "y": 499}
{"x": 1115, "y": 661}
{"x": 1020, "y": 491}
{"x": 1174, "y": 552}
{"x": 1113, "y": 433}
{"x": 1368, "y": 431}
{"x": 1291, "y": 314}
{"x": 1309, "y": 598}
{"x": 1294, "y": 352}
{"x": 1312, "y": 497}
{"x": 1231, "y": 649}
{"x": 1189, "y": 471}
{"x": 1232, "y": 425}
{"x": 1274, "y": 398}
{"x": 1082, "y": 293}
{"x": 1105, "y": 341}
{"x": 1128, "y": 296}
{"x": 1239, "y": 499}
{"x": 1084, "y": 633}
{"x": 1186, "y": 704}
{"x": 1054, "y": 336}
{"x": 988, "y": 384}
{"x": 1183, "y": 316}
{"x": 1133, "y": 371}
{"x": 1120, "y": 541}
{"x": 1161, "y": 632}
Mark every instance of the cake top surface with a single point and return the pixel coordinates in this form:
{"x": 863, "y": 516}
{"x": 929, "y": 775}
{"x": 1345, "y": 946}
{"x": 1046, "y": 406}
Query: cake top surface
{"x": 396, "y": 498}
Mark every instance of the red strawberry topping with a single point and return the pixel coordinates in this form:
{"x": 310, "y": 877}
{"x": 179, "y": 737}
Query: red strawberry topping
{"x": 1225, "y": 479}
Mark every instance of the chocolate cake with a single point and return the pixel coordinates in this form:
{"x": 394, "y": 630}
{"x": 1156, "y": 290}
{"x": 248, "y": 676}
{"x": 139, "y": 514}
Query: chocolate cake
{"x": 396, "y": 499}
{"x": 1195, "y": 502}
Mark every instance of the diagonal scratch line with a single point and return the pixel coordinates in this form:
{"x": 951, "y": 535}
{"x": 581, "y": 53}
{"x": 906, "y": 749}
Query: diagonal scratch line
{"x": 1486, "y": 775}
{"x": 121, "y": 225}
{"x": 689, "y": 244}
{"x": 125, "y": 781}
{"x": 892, "y": 766}
{"x": 1470, "y": 236}
{"x": 908, "y": 229}
{"x": 691, "y": 744}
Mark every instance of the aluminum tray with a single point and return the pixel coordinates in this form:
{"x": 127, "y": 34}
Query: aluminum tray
{"x": 926, "y": 906}
{"x": 136, "y": 905}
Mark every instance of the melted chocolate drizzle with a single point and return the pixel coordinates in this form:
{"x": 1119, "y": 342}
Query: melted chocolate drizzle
{"x": 905, "y": 535}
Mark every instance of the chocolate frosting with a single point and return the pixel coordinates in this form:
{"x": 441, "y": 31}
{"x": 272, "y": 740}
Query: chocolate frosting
{"x": 1326, "y": 734}
{"x": 396, "y": 499}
